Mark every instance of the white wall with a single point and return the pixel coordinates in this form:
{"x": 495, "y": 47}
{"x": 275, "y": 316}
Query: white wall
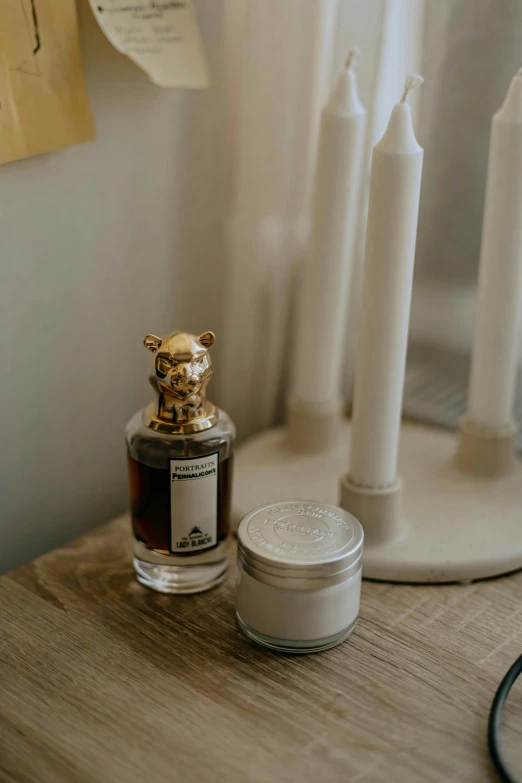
{"x": 101, "y": 244}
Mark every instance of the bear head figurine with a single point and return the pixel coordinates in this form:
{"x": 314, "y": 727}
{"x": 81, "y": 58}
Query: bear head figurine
{"x": 181, "y": 371}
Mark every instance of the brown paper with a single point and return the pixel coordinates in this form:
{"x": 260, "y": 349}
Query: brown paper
{"x": 43, "y": 102}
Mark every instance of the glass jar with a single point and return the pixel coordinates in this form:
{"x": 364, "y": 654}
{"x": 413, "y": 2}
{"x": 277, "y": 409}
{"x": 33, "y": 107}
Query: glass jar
{"x": 298, "y": 575}
{"x": 159, "y": 560}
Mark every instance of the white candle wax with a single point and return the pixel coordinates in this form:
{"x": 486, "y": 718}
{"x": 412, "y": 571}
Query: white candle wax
{"x": 324, "y": 293}
{"x": 494, "y": 356}
{"x": 388, "y": 273}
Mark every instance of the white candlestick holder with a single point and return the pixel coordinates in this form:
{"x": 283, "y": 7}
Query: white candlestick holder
{"x": 444, "y": 521}
{"x": 452, "y": 519}
{"x": 450, "y": 508}
{"x": 446, "y": 510}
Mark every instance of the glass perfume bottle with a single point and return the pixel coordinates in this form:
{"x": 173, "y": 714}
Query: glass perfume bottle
{"x": 180, "y": 455}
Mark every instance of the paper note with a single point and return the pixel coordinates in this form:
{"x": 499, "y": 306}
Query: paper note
{"x": 161, "y": 36}
{"x": 43, "y": 102}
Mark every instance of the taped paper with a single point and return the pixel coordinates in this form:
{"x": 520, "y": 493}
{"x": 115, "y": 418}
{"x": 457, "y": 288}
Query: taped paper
{"x": 43, "y": 102}
{"x": 161, "y": 36}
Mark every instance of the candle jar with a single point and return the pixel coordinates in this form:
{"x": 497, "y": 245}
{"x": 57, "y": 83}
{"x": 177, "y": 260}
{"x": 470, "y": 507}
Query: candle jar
{"x": 298, "y": 575}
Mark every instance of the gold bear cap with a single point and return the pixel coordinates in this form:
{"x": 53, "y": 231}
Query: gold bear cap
{"x": 181, "y": 371}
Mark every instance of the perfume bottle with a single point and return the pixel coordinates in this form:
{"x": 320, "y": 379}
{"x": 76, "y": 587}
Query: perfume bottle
{"x": 180, "y": 471}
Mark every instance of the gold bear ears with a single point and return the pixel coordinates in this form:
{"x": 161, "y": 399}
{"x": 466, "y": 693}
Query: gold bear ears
{"x": 153, "y": 343}
{"x": 207, "y": 339}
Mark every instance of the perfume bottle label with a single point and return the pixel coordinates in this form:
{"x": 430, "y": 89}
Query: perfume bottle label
{"x": 194, "y": 503}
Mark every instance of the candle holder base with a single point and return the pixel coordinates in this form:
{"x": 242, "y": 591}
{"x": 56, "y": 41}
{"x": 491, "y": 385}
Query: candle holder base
{"x": 313, "y": 426}
{"x": 486, "y": 453}
{"x": 458, "y": 527}
{"x": 269, "y": 468}
{"x": 380, "y": 509}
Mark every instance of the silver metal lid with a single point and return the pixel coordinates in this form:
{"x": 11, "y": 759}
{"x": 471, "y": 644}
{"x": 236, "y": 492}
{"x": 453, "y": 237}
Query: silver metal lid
{"x": 300, "y": 544}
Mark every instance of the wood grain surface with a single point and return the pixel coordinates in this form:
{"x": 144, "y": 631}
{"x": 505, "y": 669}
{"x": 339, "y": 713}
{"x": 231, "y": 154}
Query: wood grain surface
{"x": 104, "y": 681}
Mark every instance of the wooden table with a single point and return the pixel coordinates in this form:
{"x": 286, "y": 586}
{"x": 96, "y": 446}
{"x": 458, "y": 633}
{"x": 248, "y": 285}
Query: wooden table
{"x": 104, "y": 681}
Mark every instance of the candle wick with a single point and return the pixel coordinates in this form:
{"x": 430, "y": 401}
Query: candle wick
{"x": 351, "y": 60}
{"x": 412, "y": 80}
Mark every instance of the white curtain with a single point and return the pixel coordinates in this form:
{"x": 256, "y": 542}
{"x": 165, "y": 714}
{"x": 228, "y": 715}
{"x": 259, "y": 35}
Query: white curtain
{"x": 471, "y": 51}
{"x": 281, "y": 59}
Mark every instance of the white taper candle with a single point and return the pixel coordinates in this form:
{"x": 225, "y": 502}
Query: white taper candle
{"x": 494, "y": 355}
{"x": 387, "y": 284}
{"x": 326, "y": 280}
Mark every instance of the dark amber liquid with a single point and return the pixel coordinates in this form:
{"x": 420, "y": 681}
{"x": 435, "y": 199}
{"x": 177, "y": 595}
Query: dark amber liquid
{"x": 150, "y": 504}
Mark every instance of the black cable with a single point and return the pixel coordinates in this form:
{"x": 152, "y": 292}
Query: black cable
{"x": 495, "y": 720}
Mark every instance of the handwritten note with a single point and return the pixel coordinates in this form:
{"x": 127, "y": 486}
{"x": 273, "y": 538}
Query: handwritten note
{"x": 43, "y": 102}
{"x": 161, "y": 36}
